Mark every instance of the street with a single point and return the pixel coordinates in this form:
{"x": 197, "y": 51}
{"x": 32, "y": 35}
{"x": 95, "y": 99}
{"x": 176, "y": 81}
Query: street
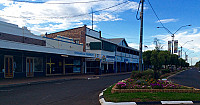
{"x": 188, "y": 78}
{"x": 72, "y": 92}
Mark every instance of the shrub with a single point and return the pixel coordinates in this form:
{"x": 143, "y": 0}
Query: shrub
{"x": 121, "y": 85}
{"x": 142, "y": 75}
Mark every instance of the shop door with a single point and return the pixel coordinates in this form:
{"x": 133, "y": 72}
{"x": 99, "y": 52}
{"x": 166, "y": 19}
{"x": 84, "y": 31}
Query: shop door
{"x": 29, "y": 67}
{"x": 8, "y": 65}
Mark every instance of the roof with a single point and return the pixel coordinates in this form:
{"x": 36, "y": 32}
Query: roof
{"x": 104, "y": 39}
{"x": 42, "y": 49}
{"x": 116, "y": 40}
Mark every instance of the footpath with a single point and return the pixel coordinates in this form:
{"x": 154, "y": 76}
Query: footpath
{"x": 6, "y": 82}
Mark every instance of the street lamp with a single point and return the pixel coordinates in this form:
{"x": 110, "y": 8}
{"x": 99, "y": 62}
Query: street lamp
{"x": 172, "y": 34}
{"x": 183, "y": 45}
{"x": 186, "y": 51}
{"x": 187, "y": 55}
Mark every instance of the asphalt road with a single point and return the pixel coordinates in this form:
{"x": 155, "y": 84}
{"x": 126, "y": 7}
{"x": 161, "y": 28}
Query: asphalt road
{"x": 189, "y": 78}
{"x": 71, "y": 92}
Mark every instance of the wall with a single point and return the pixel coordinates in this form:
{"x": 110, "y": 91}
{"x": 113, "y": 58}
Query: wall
{"x": 90, "y": 39}
{"x": 93, "y": 33}
{"x": 15, "y": 30}
{"x": 12, "y": 32}
{"x": 75, "y": 34}
{"x": 53, "y": 43}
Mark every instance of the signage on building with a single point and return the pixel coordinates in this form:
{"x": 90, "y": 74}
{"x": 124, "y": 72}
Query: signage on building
{"x": 103, "y": 58}
{"x": 119, "y": 59}
{"x": 126, "y": 60}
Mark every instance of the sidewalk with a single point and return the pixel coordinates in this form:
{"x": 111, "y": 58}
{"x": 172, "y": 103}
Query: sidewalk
{"x": 47, "y": 79}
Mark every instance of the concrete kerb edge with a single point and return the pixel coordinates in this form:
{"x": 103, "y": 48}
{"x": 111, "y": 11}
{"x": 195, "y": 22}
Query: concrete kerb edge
{"x": 175, "y": 74}
{"x": 50, "y": 81}
{"x": 103, "y": 102}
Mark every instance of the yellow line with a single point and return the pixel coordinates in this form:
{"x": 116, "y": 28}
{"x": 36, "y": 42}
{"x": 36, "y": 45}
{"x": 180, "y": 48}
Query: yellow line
{"x": 69, "y": 64}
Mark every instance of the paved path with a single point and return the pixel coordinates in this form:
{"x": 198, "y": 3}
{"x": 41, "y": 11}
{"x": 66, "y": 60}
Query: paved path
{"x": 71, "y": 92}
{"x": 189, "y": 78}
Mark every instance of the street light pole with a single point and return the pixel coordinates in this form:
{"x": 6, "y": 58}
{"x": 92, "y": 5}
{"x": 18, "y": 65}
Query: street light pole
{"x": 172, "y": 34}
{"x": 183, "y": 45}
{"x": 188, "y": 54}
{"x": 172, "y": 43}
{"x": 141, "y": 35}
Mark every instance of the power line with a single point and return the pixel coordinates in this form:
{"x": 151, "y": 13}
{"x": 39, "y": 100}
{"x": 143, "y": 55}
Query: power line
{"x": 41, "y": 2}
{"x": 61, "y": 17}
{"x": 138, "y": 11}
{"x": 114, "y": 10}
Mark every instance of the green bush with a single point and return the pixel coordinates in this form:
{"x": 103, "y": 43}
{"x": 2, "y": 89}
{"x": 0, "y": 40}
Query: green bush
{"x": 142, "y": 75}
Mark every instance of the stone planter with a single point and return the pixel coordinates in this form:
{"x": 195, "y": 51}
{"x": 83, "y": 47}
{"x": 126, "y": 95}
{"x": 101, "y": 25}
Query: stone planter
{"x": 190, "y": 90}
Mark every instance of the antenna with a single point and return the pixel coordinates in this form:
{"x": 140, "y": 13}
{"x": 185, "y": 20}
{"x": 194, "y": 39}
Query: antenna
{"x": 92, "y": 18}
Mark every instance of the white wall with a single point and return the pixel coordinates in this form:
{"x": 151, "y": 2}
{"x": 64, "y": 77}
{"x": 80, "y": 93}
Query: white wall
{"x": 15, "y": 30}
{"x": 63, "y": 45}
{"x": 92, "y": 33}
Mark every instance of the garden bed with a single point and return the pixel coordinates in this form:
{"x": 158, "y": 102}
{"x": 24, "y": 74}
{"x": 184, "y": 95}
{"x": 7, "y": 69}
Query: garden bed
{"x": 114, "y": 90}
{"x": 149, "y": 96}
{"x": 132, "y": 86}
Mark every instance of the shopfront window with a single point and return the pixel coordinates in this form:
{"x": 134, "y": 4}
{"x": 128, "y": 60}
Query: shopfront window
{"x": 38, "y": 64}
{"x": 17, "y": 63}
{"x": 73, "y": 65}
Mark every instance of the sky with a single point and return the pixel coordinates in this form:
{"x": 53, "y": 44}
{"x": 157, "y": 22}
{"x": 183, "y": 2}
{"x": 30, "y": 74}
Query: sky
{"x": 114, "y": 18}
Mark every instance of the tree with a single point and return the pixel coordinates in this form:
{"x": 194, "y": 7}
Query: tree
{"x": 182, "y": 62}
{"x": 197, "y": 64}
{"x": 164, "y": 57}
{"x": 174, "y": 60}
{"x": 156, "y": 62}
{"x": 146, "y": 58}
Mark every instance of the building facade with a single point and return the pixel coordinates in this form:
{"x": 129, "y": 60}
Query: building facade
{"x": 23, "y": 54}
{"x": 111, "y": 55}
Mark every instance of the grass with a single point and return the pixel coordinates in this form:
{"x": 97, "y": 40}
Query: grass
{"x": 149, "y": 97}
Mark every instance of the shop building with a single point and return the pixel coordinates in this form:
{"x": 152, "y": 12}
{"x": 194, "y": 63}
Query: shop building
{"x": 23, "y": 54}
{"x": 111, "y": 55}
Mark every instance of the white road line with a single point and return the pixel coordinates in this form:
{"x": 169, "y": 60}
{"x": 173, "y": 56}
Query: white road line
{"x": 177, "y": 102}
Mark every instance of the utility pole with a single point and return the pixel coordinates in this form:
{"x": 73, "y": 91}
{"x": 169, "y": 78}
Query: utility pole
{"x": 92, "y": 18}
{"x": 172, "y": 44}
{"x": 141, "y": 35}
{"x": 181, "y": 51}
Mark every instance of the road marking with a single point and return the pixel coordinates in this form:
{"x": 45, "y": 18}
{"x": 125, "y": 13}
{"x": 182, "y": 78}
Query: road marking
{"x": 176, "y": 102}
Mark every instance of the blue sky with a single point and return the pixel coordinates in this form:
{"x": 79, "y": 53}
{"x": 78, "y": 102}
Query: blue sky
{"x": 116, "y": 22}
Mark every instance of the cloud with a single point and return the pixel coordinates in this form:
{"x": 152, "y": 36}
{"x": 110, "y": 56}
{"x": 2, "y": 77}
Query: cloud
{"x": 133, "y": 45}
{"x": 168, "y": 20}
{"x": 60, "y": 16}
